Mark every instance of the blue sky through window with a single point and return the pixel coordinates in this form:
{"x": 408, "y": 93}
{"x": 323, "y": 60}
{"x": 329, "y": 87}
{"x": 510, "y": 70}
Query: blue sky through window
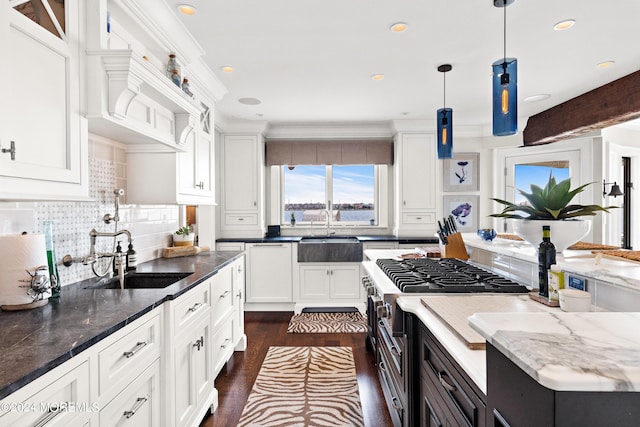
{"x": 525, "y": 175}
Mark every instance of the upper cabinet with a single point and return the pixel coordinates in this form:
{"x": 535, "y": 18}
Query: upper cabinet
{"x": 175, "y": 178}
{"x": 43, "y": 137}
{"x": 242, "y": 185}
{"x": 416, "y": 182}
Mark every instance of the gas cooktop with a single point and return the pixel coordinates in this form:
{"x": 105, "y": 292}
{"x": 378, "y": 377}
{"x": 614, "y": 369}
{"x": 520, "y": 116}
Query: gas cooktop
{"x": 428, "y": 275}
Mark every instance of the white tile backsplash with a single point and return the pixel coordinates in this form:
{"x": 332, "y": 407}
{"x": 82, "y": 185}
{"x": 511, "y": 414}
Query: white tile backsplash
{"x": 151, "y": 226}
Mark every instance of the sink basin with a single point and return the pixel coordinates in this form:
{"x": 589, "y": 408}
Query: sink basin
{"x": 141, "y": 281}
{"x": 330, "y": 249}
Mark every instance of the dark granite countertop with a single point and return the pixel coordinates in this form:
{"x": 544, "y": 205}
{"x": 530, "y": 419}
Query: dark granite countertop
{"x": 32, "y": 342}
{"x": 362, "y": 238}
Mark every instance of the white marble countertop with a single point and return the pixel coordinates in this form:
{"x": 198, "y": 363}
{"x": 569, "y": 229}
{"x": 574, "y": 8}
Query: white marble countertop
{"x": 569, "y": 351}
{"x": 620, "y": 272}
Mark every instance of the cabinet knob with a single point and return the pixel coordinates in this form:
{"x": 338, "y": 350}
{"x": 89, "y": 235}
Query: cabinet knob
{"x": 200, "y": 185}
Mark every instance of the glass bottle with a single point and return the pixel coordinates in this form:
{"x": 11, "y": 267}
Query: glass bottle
{"x": 546, "y": 257}
{"x": 47, "y": 227}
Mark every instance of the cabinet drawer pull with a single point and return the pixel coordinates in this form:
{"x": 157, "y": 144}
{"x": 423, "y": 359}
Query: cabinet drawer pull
{"x": 200, "y": 185}
{"x": 195, "y": 307}
{"x": 199, "y": 343}
{"x": 225, "y": 294}
{"x": 383, "y": 367}
{"x": 419, "y": 218}
{"x": 53, "y": 412}
{"x": 136, "y": 406}
{"x": 225, "y": 343}
{"x": 241, "y": 219}
{"x": 279, "y": 245}
{"x": 11, "y": 150}
{"x": 444, "y": 383}
{"x": 139, "y": 346}
{"x": 396, "y": 405}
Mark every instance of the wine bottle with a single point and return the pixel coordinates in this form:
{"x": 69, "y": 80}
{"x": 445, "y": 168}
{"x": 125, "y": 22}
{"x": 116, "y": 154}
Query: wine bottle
{"x": 546, "y": 258}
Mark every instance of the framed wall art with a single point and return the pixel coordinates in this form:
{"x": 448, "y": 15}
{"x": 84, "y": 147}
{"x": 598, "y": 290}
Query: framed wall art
{"x": 464, "y": 210}
{"x": 461, "y": 172}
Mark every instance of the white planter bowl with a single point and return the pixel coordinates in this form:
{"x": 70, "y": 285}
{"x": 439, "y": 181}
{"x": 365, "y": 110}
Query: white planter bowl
{"x": 564, "y": 233}
{"x": 180, "y": 240}
{"x": 574, "y": 300}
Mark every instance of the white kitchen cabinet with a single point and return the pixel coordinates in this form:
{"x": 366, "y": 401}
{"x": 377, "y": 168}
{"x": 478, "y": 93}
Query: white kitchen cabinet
{"x": 139, "y": 404}
{"x": 269, "y": 273}
{"x": 190, "y": 383}
{"x": 416, "y": 183}
{"x": 242, "y": 186}
{"x": 239, "y": 282}
{"x": 321, "y": 282}
{"x": 43, "y": 401}
{"x": 175, "y": 178}
{"x": 40, "y": 108}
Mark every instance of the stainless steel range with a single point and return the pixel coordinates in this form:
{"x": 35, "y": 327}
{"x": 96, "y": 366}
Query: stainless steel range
{"x": 386, "y": 279}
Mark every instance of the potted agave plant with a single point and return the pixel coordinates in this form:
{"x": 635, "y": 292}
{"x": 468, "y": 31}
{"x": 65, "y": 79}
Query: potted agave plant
{"x": 551, "y": 206}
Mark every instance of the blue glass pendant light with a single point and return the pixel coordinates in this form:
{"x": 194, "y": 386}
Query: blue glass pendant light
{"x": 505, "y": 86}
{"x": 445, "y": 121}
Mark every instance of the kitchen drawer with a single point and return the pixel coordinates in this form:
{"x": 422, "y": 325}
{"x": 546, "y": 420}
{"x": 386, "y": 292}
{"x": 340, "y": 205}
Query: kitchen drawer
{"x": 241, "y": 219}
{"x": 46, "y": 406}
{"x": 222, "y": 344}
{"x": 419, "y": 218}
{"x": 188, "y": 307}
{"x": 121, "y": 361}
{"x": 462, "y": 401}
{"x": 230, "y": 246}
{"x": 221, "y": 295}
{"x": 138, "y": 404}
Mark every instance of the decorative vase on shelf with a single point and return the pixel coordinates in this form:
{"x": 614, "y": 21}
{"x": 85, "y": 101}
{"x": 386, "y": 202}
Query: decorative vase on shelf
{"x": 172, "y": 66}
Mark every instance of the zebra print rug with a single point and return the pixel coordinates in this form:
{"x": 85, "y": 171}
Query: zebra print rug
{"x": 310, "y": 323}
{"x": 305, "y": 386}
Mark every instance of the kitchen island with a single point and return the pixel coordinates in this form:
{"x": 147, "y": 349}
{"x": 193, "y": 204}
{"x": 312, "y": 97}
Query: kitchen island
{"x": 580, "y": 375}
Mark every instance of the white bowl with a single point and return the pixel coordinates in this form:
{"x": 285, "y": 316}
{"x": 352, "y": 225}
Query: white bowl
{"x": 564, "y": 233}
{"x": 574, "y": 300}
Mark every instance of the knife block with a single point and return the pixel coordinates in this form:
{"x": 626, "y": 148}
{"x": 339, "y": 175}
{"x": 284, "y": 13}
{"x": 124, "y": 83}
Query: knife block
{"x": 455, "y": 247}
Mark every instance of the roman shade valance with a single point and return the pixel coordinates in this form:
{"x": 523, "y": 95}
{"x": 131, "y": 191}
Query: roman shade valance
{"x": 329, "y": 152}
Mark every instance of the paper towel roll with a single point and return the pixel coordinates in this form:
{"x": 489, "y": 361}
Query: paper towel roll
{"x": 19, "y": 253}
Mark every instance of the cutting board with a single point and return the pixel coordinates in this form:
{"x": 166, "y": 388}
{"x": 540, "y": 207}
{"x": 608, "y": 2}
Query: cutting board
{"x": 454, "y": 310}
{"x": 178, "y": 251}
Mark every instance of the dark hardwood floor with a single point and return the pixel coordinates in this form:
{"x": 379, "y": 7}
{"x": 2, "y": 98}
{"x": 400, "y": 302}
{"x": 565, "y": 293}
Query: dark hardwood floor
{"x": 265, "y": 329}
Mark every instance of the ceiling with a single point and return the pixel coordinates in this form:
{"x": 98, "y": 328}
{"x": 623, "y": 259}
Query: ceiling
{"x": 311, "y": 62}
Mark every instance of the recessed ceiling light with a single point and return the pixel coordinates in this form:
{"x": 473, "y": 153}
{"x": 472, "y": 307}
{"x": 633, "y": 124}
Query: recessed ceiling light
{"x": 249, "y": 101}
{"x": 539, "y": 97}
{"x": 605, "y": 64}
{"x": 564, "y": 25}
{"x": 187, "y": 9}
{"x": 227, "y": 68}
{"x": 399, "y": 27}
{"x": 377, "y": 77}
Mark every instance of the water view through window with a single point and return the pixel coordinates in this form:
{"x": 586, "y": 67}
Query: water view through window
{"x": 349, "y": 188}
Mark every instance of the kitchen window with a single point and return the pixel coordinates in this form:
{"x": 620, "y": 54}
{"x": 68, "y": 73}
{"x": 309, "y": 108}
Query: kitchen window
{"x": 348, "y": 192}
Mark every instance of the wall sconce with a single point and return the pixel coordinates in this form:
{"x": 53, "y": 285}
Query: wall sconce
{"x": 615, "y": 189}
{"x": 445, "y": 120}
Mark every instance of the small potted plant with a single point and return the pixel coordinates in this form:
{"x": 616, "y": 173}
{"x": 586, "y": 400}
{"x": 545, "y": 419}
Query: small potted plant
{"x": 292, "y": 216}
{"x": 183, "y": 236}
{"x": 550, "y": 206}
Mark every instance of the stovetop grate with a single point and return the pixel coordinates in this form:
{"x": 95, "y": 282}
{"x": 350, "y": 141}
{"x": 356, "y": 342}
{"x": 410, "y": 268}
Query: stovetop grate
{"x": 429, "y": 275}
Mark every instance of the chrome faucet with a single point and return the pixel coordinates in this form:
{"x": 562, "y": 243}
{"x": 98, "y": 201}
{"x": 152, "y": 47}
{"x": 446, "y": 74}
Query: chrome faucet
{"x": 328, "y": 224}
